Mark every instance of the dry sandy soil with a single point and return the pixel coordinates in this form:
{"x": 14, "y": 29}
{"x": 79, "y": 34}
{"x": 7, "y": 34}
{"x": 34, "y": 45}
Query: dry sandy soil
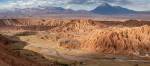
{"x": 74, "y": 42}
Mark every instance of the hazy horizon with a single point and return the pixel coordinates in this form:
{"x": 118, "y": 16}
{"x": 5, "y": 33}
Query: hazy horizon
{"x": 138, "y": 5}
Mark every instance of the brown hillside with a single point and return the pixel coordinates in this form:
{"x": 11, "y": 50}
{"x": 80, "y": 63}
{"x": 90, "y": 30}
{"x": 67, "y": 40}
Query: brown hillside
{"x": 13, "y": 57}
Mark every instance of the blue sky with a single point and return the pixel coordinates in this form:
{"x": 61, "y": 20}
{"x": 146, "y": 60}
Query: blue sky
{"x": 139, "y": 5}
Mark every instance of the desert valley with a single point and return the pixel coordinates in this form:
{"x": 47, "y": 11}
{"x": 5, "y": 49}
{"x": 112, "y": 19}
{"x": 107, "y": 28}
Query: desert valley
{"x": 74, "y": 33}
{"x": 74, "y": 42}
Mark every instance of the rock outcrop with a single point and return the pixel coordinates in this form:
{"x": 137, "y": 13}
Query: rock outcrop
{"x": 135, "y": 41}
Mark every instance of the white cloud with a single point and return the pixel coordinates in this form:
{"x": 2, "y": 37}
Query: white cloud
{"x": 74, "y": 4}
{"x": 139, "y": 5}
{"x": 27, "y": 3}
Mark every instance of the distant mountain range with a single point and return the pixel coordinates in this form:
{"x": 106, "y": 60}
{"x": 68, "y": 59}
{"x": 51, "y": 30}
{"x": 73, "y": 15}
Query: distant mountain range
{"x": 104, "y": 9}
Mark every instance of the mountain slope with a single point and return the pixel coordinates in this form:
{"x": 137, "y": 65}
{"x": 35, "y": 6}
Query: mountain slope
{"x": 108, "y": 9}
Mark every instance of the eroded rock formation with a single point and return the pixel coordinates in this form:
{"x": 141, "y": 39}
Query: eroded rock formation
{"x": 107, "y": 37}
{"x": 134, "y": 40}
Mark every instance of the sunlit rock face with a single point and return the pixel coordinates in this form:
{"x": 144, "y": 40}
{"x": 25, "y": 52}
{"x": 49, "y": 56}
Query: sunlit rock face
{"x": 119, "y": 40}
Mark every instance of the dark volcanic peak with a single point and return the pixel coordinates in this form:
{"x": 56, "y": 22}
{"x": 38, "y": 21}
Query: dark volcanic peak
{"x": 106, "y": 8}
